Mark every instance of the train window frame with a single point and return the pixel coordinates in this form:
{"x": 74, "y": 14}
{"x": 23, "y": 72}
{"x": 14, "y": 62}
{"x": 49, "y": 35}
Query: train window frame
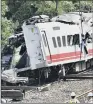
{"x": 54, "y": 42}
{"x": 64, "y": 41}
{"x": 90, "y": 38}
{"x": 77, "y": 39}
{"x": 59, "y": 41}
{"x": 44, "y": 40}
{"x": 69, "y": 40}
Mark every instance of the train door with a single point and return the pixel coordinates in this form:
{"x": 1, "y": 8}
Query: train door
{"x": 86, "y": 46}
{"x": 77, "y": 46}
{"x": 52, "y": 40}
{"x": 89, "y": 44}
{"x": 46, "y": 47}
{"x": 72, "y": 53}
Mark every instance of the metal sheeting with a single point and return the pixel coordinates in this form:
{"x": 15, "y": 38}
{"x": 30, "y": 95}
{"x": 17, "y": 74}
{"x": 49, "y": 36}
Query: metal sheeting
{"x": 69, "y": 17}
{"x": 64, "y": 28}
{"x": 11, "y": 76}
{"x": 72, "y": 17}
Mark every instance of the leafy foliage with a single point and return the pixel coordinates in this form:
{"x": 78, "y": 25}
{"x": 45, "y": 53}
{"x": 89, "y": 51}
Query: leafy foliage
{"x": 13, "y": 6}
{"x": 20, "y": 10}
{"x": 3, "y": 8}
{"x": 47, "y": 8}
{"x": 30, "y": 8}
{"x": 24, "y": 12}
{"x": 6, "y": 28}
{"x": 84, "y": 5}
{"x": 24, "y": 9}
{"x": 6, "y": 25}
{"x": 67, "y": 6}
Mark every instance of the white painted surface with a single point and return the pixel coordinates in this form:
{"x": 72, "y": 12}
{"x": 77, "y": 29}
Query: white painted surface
{"x": 35, "y": 43}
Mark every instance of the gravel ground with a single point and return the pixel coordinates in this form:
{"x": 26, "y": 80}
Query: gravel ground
{"x": 59, "y": 92}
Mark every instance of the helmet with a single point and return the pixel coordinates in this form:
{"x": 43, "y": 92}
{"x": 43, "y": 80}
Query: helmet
{"x": 90, "y": 94}
{"x": 73, "y": 94}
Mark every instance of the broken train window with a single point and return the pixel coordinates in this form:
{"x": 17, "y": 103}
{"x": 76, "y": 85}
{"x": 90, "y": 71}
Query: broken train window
{"x": 76, "y": 39}
{"x": 89, "y": 37}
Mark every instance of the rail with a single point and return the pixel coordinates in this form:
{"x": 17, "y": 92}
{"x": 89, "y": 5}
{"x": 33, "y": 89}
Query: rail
{"x": 18, "y": 87}
{"x": 78, "y": 77}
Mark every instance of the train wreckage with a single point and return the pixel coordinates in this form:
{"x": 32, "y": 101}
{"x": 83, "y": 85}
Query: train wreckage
{"x": 47, "y": 47}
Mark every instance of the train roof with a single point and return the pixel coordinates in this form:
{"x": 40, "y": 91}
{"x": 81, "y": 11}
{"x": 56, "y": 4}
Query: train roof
{"x": 67, "y": 17}
{"x": 59, "y": 27}
{"x": 72, "y": 17}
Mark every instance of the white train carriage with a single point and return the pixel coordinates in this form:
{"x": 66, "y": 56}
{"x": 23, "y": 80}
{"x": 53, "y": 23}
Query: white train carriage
{"x": 54, "y": 43}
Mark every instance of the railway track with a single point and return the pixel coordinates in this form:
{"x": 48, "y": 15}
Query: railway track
{"x": 88, "y": 74}
{"x": 19, "y": 88}
{"x": 56, "y": 87}
{"x": 85, "y": 74}
{"x": 60, "y": 92}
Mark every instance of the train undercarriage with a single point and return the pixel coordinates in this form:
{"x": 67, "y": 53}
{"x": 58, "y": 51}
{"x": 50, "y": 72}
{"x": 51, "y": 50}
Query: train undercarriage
{"x": 49, "y": 74}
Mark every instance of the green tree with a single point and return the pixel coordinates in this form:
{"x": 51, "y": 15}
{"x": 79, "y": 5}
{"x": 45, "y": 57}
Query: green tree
{"x": 67, "y": 6}
{"x": 13, "y": 6}
{"x": 20, "y": 10}
{"x": 6, "y": 25}
{"x": 84, "y": 5}
{"x": 47, "y": 8}
{"x": 25, "y": 11}
{"x": 30, "y": 8}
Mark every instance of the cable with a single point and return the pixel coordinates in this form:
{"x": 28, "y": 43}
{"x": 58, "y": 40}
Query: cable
{"x": 81, "y": 31}
{"x": 92, "y": 31}
{"x": 92, "y": 36}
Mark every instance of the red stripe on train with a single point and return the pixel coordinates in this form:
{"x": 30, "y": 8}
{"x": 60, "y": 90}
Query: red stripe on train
{"x": 65, "y": 59}
{"x": 90, "y": 50}
{"x": 63, "y": 55}
{"x": 67, "y": 56}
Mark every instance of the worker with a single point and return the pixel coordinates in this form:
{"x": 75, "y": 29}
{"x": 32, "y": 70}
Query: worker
{"x": 73, "y": 98}
{"x": 90, "y": 97}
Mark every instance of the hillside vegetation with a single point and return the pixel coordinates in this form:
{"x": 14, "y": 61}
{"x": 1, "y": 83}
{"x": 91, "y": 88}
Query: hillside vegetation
{"x": 15, "y": 12}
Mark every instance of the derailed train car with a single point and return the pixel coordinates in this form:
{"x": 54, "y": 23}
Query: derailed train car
{"x": 47, "y": 48}
{"x": 54, "y": 46}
